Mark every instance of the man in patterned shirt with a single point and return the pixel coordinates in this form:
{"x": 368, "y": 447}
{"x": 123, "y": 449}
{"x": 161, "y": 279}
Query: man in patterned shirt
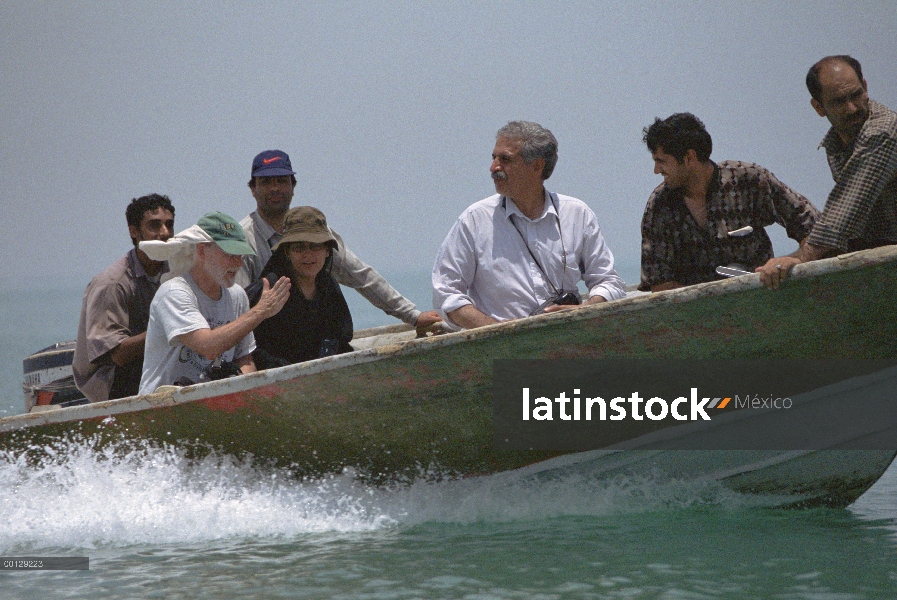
{"x": 861, "y": 146}
{"x": 706, "y": 215}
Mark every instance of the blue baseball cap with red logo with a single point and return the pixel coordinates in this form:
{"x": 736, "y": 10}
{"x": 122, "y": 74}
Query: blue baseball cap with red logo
{"x": 272, "y": 163}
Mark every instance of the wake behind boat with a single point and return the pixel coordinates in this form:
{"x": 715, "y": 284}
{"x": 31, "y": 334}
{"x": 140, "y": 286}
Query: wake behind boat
{"x": 402, "y": 407}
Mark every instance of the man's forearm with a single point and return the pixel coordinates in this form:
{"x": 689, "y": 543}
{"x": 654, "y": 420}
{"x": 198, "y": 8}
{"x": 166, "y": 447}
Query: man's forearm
{"x": 350, "y": 271}
{"x": 245, "y": 364}
{"x": 388, "y": 299}
{"x": 469, "y": 316}
{"x": 212, "y": 343}
{"x": 800, "y": 248}
{"x": 666, "y": 285}
{"x": 808, "y": 252}
{"x": 776, "y": 269}
{"x": 129, "y": 350}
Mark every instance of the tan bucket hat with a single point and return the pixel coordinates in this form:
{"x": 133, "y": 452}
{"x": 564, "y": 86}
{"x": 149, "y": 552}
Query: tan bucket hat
{"x": 306, "y": 224}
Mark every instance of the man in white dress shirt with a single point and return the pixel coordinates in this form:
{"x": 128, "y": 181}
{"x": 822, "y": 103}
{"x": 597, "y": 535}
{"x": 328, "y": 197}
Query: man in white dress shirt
{"x": 524, "y": 250}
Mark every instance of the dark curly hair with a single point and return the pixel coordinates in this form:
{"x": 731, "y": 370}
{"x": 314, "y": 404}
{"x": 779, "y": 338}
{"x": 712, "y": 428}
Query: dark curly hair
{"x": 677, "y": 134}
{"x": 139, "y": 206}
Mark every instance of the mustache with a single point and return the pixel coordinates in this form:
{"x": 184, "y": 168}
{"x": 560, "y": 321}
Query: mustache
{"x": 500, "y": 176}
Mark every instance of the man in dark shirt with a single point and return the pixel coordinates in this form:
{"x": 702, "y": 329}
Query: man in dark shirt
{"x": 861, "y": 147}
{"x": 705, "y": 215}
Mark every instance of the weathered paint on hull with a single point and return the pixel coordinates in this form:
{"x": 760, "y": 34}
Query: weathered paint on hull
{"x": 394, "y": 410}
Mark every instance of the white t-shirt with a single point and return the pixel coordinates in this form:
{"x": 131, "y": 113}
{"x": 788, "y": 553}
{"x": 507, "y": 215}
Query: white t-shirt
{"x": 178, "y": 308}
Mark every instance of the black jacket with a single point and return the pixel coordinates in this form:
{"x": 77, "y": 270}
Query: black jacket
{"x": 303, "y": 329}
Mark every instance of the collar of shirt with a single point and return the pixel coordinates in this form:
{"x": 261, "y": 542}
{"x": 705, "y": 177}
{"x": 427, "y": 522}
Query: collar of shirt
{"x": 138, "y": 269}
{"x": 267, "y": 232}
{"x": 510, "y": 208}
{"x": 832, "y": 142}
{"x": 721, "y": 184}
{"x": 676, "y": 196}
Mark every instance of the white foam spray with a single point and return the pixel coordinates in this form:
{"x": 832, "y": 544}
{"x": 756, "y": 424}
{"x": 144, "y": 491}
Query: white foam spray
{"x": 83, "y": 495}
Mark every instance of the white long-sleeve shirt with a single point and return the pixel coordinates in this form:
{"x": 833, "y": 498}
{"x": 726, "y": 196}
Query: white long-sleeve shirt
{"x": 484, "y": 261}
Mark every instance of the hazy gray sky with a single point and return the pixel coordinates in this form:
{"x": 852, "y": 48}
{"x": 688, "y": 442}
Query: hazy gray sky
{"x": 389, "y": 109}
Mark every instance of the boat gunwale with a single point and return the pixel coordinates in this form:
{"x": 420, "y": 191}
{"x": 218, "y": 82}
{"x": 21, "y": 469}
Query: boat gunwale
{"x": 171, "y": 396}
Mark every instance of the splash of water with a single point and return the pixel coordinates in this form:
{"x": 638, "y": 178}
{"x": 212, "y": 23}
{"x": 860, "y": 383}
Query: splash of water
{"x": 84, "y": 494}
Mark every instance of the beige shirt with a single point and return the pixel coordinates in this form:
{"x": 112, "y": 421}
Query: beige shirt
{"x": 115, "y": 307}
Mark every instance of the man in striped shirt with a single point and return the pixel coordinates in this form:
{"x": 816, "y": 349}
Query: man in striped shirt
{"x": 861, "y": 146}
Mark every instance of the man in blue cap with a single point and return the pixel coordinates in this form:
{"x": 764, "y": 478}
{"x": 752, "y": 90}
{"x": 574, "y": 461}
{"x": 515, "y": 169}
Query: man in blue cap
{"x": 272, "y": 184}
{"x": 200, "y": 323}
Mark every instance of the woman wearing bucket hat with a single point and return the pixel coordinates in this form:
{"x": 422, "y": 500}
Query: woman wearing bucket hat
{"x": 315, "y": 321}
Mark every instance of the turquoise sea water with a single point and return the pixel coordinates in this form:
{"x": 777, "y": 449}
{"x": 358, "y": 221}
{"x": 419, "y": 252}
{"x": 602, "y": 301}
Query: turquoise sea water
{"x": 158, "y": 526}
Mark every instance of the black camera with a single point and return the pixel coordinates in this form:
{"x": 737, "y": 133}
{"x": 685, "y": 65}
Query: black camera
{"x": 562, "y": 299}
{"x": 223, "y": 371}
{"x": 329, "y": 348}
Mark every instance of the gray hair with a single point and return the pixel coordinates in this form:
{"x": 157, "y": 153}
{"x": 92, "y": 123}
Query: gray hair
{"x": 538, "y": 142}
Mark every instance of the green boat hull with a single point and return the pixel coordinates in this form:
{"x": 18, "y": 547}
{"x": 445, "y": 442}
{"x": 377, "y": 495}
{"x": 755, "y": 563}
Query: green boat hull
{"x": 424, "y": 407}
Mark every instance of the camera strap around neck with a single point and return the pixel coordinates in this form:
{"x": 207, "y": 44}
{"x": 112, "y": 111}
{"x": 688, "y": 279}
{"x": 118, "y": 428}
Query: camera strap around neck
{"x": 556, "y": 203}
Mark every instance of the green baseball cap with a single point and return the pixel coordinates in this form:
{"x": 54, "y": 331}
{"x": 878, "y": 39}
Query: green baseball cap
{"x": 225, "y": 232}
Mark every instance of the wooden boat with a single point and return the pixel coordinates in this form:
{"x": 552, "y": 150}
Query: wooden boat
{"x": 402, "y": 408}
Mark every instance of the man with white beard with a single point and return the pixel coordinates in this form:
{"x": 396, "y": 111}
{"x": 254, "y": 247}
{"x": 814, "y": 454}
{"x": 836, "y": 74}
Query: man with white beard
{"x": 200, "y": 323}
